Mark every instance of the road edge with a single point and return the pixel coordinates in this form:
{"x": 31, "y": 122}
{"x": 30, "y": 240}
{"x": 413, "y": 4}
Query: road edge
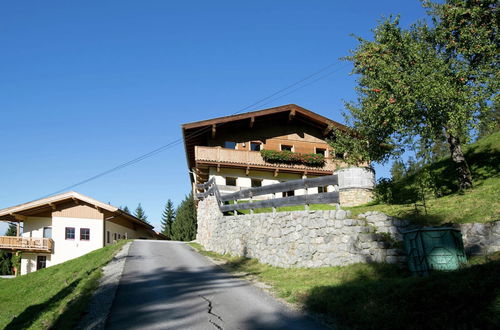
{"x": 102, "y": 299}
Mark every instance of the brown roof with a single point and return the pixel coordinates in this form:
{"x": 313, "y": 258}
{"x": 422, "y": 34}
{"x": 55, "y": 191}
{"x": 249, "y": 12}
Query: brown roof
{"x": 195, "y": 127}
{"x": 7, "y": 214}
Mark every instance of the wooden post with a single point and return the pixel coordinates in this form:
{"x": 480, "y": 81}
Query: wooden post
{"x": 18, "y": 229}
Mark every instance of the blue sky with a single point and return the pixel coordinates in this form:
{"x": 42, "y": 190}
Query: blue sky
{"x": 85, "y": 86}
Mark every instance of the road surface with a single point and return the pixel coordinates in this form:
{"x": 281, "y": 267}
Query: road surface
{"x": 167, "y": 285}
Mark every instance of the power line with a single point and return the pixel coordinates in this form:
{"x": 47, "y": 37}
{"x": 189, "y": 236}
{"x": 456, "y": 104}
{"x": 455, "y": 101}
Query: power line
{"x": 192, "y": 136}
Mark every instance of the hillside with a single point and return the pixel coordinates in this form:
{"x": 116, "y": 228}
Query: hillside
{"x": 55, "y": 296}
{"x": 480, "y": 204}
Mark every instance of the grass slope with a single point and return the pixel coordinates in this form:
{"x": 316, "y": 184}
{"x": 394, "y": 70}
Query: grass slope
{"x": 480, "y": 204}
{"x": 383, "y": 296}
{"x": 55, "y": 296}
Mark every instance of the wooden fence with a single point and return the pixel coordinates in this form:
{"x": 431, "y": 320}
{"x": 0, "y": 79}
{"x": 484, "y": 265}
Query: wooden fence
{"x": 231, "y": 202}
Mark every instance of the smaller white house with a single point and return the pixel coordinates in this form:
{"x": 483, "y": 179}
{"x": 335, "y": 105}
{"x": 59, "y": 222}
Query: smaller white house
{"x": 66, "y": 226}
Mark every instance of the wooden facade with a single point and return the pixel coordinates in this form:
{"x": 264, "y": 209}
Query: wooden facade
{"x": 233, "y": 142}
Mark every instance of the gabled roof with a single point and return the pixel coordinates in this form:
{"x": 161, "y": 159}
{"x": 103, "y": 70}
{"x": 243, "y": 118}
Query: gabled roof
{"x": 293, "y": 108}
{"x": 193, "y": 132}
{"x": 9, "y": 214}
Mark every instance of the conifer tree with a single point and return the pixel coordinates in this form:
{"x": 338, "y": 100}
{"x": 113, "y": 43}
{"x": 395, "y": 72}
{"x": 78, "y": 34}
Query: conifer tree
{"x": 185, "y": 224}
{"x": 139, "y": 213}
{"x": 6, "y": 257}
{"x": 125, "y": 209}
{"x": 167, "y": 219}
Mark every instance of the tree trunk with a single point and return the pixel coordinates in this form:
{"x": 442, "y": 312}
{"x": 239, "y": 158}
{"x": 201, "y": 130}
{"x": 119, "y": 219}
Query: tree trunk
{"x": 464, "y": 174}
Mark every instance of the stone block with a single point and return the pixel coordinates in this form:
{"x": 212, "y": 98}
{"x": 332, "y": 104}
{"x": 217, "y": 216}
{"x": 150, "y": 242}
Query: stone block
{"x": 340, "y": 215}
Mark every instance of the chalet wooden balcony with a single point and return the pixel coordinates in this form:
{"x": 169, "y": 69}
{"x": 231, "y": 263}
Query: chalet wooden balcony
{"x": 253, "y": 160}
{"x": 26, "y": 244}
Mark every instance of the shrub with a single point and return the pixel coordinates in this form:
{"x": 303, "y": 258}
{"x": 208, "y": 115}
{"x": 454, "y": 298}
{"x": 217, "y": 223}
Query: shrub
{"x": 289, "y": 157}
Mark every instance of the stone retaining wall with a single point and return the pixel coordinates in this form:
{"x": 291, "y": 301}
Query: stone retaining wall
{"x": 301, "y": 238}
{"x": 320, "y": 238}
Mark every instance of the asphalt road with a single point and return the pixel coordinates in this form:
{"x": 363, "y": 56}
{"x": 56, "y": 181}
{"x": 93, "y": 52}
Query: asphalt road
{"x": 167, "y": 285}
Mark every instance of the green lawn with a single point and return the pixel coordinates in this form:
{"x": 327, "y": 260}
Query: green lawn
{"x": 383, "y": 296}
{"x": 55, "y": 296}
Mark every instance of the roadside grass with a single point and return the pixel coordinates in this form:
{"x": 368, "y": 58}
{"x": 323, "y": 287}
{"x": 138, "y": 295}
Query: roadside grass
{"x": 480, "y": 204}
{"x": 384, "y": 296}
{"x": 54, "y": 297}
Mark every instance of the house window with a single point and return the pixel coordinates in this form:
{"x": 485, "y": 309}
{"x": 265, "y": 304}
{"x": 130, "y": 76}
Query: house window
{"x": 108, "y": 237}
{"x": 321, "y": 151}
{"x": 285, "y": 147}
{"x": 115, "y": 236}
{"x": 70, "y": 233}
{"x": 47, "y": 232}
{"x": 322, "y": 189}
{"x": 256, "y": 183}
{"x": 84, "y": 234}
{"x": 41, "y": 262}
{"x": 229, "y": 145}
{"x": 230, "y": 181}
{"x": 289, "y": 193}
{"x": 255, "y": 146}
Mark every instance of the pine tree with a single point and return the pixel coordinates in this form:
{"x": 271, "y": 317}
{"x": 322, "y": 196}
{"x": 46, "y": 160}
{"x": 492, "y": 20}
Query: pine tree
{"x": 125, "y": 209}
{"x": 167, "y": 219}
{"x": 139, "y": 213}
{"x": 185, "y": 224}
{"x": 398, "y": 170}
{"x": 6, "y": 257}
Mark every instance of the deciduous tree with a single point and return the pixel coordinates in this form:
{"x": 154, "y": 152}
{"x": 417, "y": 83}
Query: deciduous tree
{"x": 423, "y": 84}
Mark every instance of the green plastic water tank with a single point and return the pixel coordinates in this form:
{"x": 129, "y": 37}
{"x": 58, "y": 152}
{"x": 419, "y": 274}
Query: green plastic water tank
{"x": 431, "y": 248}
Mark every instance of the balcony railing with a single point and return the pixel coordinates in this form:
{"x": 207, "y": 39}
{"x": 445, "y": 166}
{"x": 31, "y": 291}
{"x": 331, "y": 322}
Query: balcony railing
{"x": 26, "y": 244}
{"x": 249, "y": 158}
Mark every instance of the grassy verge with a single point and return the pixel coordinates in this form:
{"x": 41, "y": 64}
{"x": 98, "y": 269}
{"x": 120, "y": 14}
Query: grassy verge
{"x": 383, "y": 296}
{"x": 55, "y": 296}
{"x": 480, "y": 204}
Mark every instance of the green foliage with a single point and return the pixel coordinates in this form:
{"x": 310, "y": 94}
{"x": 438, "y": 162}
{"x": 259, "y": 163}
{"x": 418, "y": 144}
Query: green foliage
{"x": 54, "y": 297}
{"x": 290, "y": 157}
{"x": 421, "y": 83}
{"x": 444, "y": 202}
{"x": 398, "y": 170}
{"x": 185, "y": 224}
{"x": 6, "y": 259}
{"x": 139, "y": 213}
{"x": 167, "y": 219}
{"x": 125, "y": 209}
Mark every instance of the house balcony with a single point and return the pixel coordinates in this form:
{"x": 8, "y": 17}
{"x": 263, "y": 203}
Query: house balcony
{"x": 222, "y": 157}
{"x": 28, "y": 244}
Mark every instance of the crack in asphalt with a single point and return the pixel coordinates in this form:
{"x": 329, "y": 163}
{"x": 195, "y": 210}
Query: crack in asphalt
{"x": 210, "y": 307}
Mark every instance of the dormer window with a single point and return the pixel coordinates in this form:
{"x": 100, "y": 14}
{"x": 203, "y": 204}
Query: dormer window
{"x": 285, "y": 147}
{"x": 255, "y": 146}
{"x": 229, "y": 145}
{"x": 320, "y": 151}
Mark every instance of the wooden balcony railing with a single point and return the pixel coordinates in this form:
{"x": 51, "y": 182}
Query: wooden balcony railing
{"x": 249, "y": 158}
{"x": 26, "y": 244}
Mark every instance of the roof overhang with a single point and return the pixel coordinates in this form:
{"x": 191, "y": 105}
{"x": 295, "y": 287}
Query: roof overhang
{"x": 20, "y": 212}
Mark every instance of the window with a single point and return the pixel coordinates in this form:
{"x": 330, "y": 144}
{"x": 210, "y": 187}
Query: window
{"x": 84, "y": 234}
{"x": 255, "y": 146}
{"x": 41, "y": 262}
{"x": 321, "y": 151}
{"x": 108, "y": 237}
{"x": 47, "y": 232}
{"x": 256, "y": 183}
{"x": 70, "y": 233}
{"x": 230, "y": 181}
{"x": 115, "y": 236}
{"x": 289, "y": 193}
{"x": 322, "y": 189}
{"x": 229, "y": 145}
{"x": 285, "y": 147}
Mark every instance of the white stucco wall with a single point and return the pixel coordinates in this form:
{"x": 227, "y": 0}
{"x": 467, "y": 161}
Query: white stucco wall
{"x": 244, "y": 181}
{"x": 115, "y": 228}
{"x": 69, "y": 249}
